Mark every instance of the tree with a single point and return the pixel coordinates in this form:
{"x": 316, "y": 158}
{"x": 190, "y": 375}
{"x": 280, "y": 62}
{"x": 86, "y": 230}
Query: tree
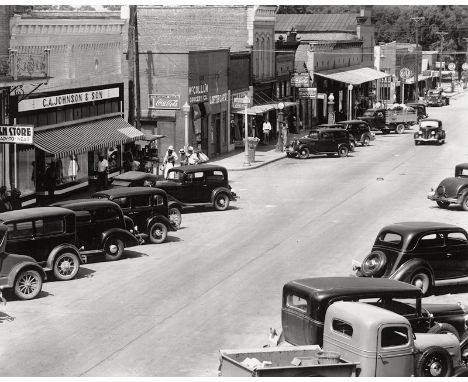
{"x": 112, "y": 7}
{"x": 86, "y": 8}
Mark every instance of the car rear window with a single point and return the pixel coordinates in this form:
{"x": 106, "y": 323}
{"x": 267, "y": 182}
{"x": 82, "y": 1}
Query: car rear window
{"x": 120, "y": 183}
{"x": 391, "y": 239}
{"x": 46, "y": 227}
{"x": 313, "y": 135}
{"x": 456, "y": 238}
{"x": 296, "y": 302}
{"x": 342, "y": 327}
{"x": 123, "y": 202}
{"x": 175, "y": 175}
{"x": 20, "y": 230}
{"x": 431, "y": 240}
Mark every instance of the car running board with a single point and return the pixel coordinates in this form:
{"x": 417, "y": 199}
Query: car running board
{"x": 461, "y": 280}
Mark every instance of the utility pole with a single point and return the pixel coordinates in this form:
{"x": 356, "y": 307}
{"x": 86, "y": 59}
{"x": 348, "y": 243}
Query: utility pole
{"x": 137, "y": 74}
{"x": 441, "y": 34}
{"x": 418, "y": 21}
{"x": 131, "y": 65}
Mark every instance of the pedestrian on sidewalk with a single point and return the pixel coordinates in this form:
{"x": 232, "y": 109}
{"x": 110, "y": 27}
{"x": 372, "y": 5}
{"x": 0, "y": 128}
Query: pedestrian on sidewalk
{"x": 266, "y": 132}
{"x": 183, "y": 157}
{"x": 50, "y": 180}
{"x": 102, "y": 171}
{"x": 169, "y": 160}
{"x": 192, "y": 156}
{"x": 284, "y": 135}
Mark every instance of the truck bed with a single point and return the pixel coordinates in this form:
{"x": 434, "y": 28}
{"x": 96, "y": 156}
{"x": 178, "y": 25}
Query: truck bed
{"x": 281, "y": 359}
{"x": 400, "y": 116}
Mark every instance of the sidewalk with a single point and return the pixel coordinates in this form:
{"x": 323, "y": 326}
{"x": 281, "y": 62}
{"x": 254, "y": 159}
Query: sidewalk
{"x": 234, "y": 161}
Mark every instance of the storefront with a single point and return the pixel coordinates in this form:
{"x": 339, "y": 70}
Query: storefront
{"x": 71, "y": 129}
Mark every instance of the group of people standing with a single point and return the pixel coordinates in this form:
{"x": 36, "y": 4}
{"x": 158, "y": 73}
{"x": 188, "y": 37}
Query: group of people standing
{"x": 191, "y": 157}
{"x": 283, "y": 137}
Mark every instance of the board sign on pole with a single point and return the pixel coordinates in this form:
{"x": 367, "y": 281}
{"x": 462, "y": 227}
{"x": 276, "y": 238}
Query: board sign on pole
{"x": 300, "y": 80}
{"x": 22, "y": 134}
{"x": 308, "y": 93}
{"x": 451, "y": 66}
{"x": 465, "y": 66}
{"x": 405, "y": 73}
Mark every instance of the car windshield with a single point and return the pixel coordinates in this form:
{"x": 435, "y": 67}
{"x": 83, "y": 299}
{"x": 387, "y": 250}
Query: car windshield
{"x": 175, "y": 175}
{"x": 368, "y": 113}
{"x": 120, "y": 183}
{"x": 429, "y": 124}
{"x": 313, "y": 135}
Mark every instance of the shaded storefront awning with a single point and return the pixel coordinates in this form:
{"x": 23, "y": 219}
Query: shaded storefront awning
{"x": 420, "y": 78}
{"x": 355, "y": 76}
{"x": 260, "y": 109}
{"x": 87, "y": 136}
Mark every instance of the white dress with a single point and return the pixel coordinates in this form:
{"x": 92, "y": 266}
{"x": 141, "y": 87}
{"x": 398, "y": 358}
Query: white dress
{"x": 73, "y": 168}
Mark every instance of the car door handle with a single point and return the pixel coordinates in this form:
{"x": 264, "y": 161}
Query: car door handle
{"x": 449, "y": 254}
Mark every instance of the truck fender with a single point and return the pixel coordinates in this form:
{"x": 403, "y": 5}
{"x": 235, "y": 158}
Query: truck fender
{"x": 21, "y": 267}
{"x": 128, "y": 238}
{"x": 220, "y": 190}
{"x": 160, "y": 219}
{"x": 61, "y": 248}
{"x": 407, "y": 269}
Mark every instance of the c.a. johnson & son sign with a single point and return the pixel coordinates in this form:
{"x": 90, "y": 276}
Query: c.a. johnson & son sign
{"x": 67, "y": 99}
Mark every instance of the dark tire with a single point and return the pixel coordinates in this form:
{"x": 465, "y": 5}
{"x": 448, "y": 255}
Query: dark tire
{"x": 304, "y": 153}
{"x": 374, "y": 264}
{"x": 343, "y": 151}
{"x": 28, "y": 284}
{"x": 288, "y": 155}
{"x": 366, "y": 141}
{"x": 66, "y": 266}
{"x": 352, "y": 145}
{"x": 434, "y": 362}
{"x": 416, "y": 143}
{"x": 221, "y": 202}
{"x": 385, "y": 131}
{"x": 175, "y": 216}
{"x": 422, "y": 280}
{"x": 157, "y": 233}
{"x": 441, "y": 328}
{"x": 400, "y": 128}
{"x": 443, "y": 204}
{"x": 113, "y": 248}
{"x": 464, "y": 204}
{"x": 464, "y": 347}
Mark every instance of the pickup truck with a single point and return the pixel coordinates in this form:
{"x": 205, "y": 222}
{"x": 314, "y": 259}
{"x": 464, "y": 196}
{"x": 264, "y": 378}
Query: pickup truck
{"x": 359, "y": 340}
{"x": 393, "y": 119}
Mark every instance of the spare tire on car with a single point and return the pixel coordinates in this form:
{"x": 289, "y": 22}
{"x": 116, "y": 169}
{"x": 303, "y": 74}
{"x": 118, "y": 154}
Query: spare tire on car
{"x": 374, "y": 264}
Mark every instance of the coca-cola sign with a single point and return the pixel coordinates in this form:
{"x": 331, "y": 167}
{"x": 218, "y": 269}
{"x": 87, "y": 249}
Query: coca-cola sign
{"x": 164, "y": 101}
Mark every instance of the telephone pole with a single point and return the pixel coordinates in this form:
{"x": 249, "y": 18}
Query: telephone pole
{"x": 134, "y": 112}
{"x": 441, "y": 34}
{"x": 418, "y": 21}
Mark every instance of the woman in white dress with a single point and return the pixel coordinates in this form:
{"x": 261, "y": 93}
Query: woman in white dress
{"x": 169, "y": 160}
{"x": 73, "y": 167}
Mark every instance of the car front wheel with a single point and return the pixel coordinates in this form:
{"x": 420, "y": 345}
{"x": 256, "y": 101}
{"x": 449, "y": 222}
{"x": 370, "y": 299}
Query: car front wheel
{"x": 66, "y": 266}
{"x": 435, "y": 362}
{"x": 422, "y": 281}
{"x": 175, "y": 216}
{"x": 442, "y": 204}
{"x": 366, "y": 141}
{"x": 28, "y": 284}
{"x": 465, "y": 203}
{"x": 157, "y": 233}
{"x": 221, "y": 202}
{"x": 114, "y": 249}
{"x": 343, "y": 151}
{"x": 304, "y": 153}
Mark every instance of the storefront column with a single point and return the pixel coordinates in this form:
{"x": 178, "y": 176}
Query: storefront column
{"x": 7, "y": 167}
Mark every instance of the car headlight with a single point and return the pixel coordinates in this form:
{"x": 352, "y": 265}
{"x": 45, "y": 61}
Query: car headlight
{"x": 433, "y": 133}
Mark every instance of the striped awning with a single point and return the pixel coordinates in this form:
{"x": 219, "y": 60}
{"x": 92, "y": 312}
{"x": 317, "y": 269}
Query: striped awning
{"x": 87, "y": 136}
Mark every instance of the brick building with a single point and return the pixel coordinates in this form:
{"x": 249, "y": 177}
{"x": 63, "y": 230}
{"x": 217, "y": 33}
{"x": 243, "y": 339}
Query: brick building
{"x": 78, "y": 113}
{"x": 171, "y": 36}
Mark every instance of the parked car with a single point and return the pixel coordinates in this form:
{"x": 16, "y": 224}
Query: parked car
{"x": 20, "y": 273}
{"x": 430, "y": 130}
{"x": 425, "y": 254}
{"x": 319, "y": 141}
{"x": 420, "y": 109}
{"x": 306, "y": 301}
{"x": 359, "y": 340}
{"x": 359, "y": 132}
{"x": 134, "y": 179}
{"x": 101, "y": 228}
{"x": 197, "y": 186}
{"x": 146, "y": 206}
{"x": 453, "y": 189}
{"x": 48, "y": 235}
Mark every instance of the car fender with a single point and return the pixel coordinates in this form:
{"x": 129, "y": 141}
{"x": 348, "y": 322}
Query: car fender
{"x": 404, "y": 271}
{"x": 60, "y": 248}
{"x": 128, "y": 238}
{"x": 462, "y": 194}
{"x": 220, "y": 190}
{"x": 311, "y": 148}
{"x": 20, "y": 267}
{"x": 175, "y": 203}
{"x": 343, "y": 144}
{"x": 160, "y": 219}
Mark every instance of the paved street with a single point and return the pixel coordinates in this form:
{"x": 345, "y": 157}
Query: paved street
{"x": 166, "y": 310}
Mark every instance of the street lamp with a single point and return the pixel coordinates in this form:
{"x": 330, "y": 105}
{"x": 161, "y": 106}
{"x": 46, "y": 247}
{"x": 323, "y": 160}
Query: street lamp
{"x": 331, "y": 108}
{"x": 186, "y": 110}
{"x": 279, "y": 143}
{"x": 350, "y": 101}
{"x": 246, "y": 102}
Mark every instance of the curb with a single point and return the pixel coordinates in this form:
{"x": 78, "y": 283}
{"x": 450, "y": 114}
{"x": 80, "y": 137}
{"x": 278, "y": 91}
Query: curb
{"x": 258, "y": 165}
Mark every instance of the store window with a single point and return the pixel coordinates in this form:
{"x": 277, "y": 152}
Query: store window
{"x": 26, "y": 162}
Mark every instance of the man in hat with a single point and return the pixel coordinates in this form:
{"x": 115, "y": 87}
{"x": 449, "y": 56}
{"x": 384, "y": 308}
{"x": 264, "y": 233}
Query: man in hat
{"x": 183, "y": 157}
{"x": 192, "y": 156}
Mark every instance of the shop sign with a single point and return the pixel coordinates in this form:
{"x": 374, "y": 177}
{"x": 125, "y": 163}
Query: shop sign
{"x": 198, "y": 93}
{"x": 465, "y": 66}
{"x": 236, "y": 99}
{"x": 164, "y": 101}
{"x": 300, "y": 80}
{"x": 67, "y": 99}
{"x": 322, "y": 95}
{"x": 22, "y": 134}
{"x": 218, "y": 98}
{"x": 451, "y": 66}
{"x": 310, "y": 93}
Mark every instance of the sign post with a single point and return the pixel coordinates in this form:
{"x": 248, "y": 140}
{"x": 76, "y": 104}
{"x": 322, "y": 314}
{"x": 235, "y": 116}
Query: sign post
{"x": 246, "y": 103}
{"x": 404, "y": 74}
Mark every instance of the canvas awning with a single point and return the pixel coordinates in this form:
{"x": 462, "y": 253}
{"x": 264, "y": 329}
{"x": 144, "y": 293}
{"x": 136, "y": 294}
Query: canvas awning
{"x": 260, "y": 109}
{"x": 355, "y": 76}
{"x": 87, "y": 136}
{"x": 420, "y": 78}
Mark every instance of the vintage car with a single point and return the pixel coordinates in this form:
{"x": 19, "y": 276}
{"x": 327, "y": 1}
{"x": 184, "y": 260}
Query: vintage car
{"x": 359, "y": 132}
{"x": 101, "y": 228}
{"x": 437, "y": 97}
{"x": 20, "y": 273}
{"x": 305, "y": 303}
{"x": 359, "y": 340}
{"x": 146, "y": 206}
{"x": 134, "y": 179}
{"x": 320, "y": 141}
{"x": 396, "y": 118}
{"x": 420, "y": 109}
{"x": 425, "y": 254}
{"x": 453, "y": 189}
{"x": 48, "y": 235}
{"x": 197, "y": 186}
{"x": 430, "y": 130}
